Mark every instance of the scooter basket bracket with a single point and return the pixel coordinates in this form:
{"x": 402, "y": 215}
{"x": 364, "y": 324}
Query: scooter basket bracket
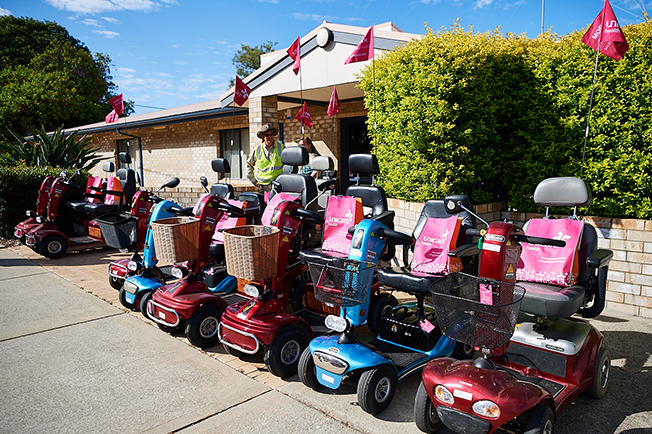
{"x": 342, "y": 282}
{"x": 476, "y": 311}
{"x": 118, "y": 230}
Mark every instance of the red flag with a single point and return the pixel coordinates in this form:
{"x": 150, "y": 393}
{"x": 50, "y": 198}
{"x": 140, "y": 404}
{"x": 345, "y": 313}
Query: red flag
{"x": 241, "y": 93}
{"x": 333, "y": 104}
{"x": 118, "y": 104}
{"x": 606, "y": 34}
{"x": 295, "y": 53}
{"x": 304, "y": 116}
{"x": 364, "y": 50}
{"x": 111, "y": 117}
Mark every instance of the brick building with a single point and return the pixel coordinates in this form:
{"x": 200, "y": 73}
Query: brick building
{"x": 182, "y": 141}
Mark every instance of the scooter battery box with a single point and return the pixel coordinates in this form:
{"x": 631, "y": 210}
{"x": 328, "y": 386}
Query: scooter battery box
{"x": 403, "y": 327}
{"x": 213, "y": 276}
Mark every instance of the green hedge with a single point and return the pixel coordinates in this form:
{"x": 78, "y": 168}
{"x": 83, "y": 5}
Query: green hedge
{"x": 491, "y": 115}
{"x": 19, "y": 187}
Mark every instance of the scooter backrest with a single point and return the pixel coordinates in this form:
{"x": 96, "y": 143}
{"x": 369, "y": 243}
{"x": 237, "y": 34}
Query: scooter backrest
{"x": 112, "y": 184}
{"x": 325, "y": 165}
{"x": 374, "y": 200}
{"x": 108, "y": 166}
{"x": 224, "y": 190}
{"x": 301, "y": 185}
{"x": 127, "y": 179}
{"x": 93, "y": 181}
{"x": 563, "y": 191}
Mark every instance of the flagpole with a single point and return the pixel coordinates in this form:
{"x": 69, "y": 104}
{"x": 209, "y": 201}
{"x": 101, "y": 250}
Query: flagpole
{"x": 301, "y": 94}
{"x": 588, "y": 120}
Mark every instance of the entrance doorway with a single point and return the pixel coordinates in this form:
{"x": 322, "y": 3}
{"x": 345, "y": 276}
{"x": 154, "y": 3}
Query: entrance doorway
{"x": 355, "y": 140}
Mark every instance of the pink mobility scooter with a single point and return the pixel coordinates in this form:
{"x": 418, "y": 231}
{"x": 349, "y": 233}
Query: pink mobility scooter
{"x": 536, "y": 362}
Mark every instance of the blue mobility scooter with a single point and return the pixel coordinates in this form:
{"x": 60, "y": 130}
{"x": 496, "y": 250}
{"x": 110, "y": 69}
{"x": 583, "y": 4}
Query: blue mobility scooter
{"x": 407, "y": 338}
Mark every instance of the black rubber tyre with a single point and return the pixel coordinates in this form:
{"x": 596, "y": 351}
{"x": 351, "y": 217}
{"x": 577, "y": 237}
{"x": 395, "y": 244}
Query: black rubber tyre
{"x": 282, "y": 357}
{"x": 116, "y": 282}
{"x": 298, "y": 299}
{"x": 463, "y": 352}
{"x": 123, "y": 299}
{"x": 53, "y": 246}
{"x": 540, "y": 421}
{"x": 307, "y": 372}
{"x": 601, "y": 377}
{"x": 376, "y": 389}
{"x": 143, "y": 303}
{"x": 168, "y": 329}
{"x": 425, "y": 413}
{"x": 201, "y": 328}
{"x": 380, "y": 305}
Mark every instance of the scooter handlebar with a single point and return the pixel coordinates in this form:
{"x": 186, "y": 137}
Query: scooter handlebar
{"x": 176, "y": 209}
{"x": 474, "y": 232}
{"x": 539, "y": 240}
{"x": 232, "y": 210}
{"x": 305, "y": 214}
{"x": 395, "y": 237}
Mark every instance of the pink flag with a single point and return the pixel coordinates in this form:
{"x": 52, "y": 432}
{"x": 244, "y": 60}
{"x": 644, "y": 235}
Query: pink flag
{"x": 241, "y": 93}
{"x": 111, "y": 117}
{"x": 118, "y": 104}
{"x": 333, "y": 104}
{"x": 304, "y": 116}
{"x": 295, "y": 53}
{"x": 364, "y": 50}
{"x": 605, "y": 34}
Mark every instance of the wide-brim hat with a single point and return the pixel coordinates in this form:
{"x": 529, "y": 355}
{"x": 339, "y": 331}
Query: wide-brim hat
{"x": 265, "y": 129}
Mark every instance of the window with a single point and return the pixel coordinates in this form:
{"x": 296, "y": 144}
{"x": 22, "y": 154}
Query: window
{"x": 236, "y": 151}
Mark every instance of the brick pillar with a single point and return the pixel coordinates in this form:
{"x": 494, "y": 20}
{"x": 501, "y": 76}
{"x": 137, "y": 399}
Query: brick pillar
{"x": 262, "y": 110}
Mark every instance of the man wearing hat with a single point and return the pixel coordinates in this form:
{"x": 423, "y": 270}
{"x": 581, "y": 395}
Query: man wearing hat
{"x": 264, "y": 164}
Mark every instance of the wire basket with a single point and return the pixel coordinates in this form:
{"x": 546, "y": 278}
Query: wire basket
{"x": 342, "y": 282}
{"x": 476, "y": 311}
{"x": 251, "y": 251}
{"x": 118, "y": 230}
{"x": 176, "y": 239}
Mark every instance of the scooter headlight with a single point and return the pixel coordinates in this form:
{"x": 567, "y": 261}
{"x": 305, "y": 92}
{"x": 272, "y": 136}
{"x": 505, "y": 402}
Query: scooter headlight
{"x": 39, "y": 219}
{"x": 336, "y": 323}
{"x": 132, "y": 265}
{"x": 444, "y": 395}
{"x": 487, "y": 409}
{"x": 176, "y": 272}
{"x": 252, "y": 291}
{"x": 29, "y": 213}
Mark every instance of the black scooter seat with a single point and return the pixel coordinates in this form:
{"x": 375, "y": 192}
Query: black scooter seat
{"x": 551, "y": 301}
{"x": 403, "y": 279}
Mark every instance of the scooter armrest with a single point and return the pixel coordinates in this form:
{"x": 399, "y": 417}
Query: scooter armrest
{"x": 464, "y": 251}
{"x": 385, "y": 217}
{"x": 599, "y": 258}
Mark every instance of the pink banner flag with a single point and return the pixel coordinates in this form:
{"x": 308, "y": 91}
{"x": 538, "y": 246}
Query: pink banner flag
{"x": 304, "y": 116}
{"x": 118, "y": 104}
{"x": 364, "y": 50}
{"x": 241, "y": 93}
{"x": 334, "y": 104}
{"x": 605, "y": 34}
{"x": 111, "y": 117}
{"x": 295, "y": 53}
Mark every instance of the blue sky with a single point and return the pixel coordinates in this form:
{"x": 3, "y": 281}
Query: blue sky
{"x": 167, "y": 53}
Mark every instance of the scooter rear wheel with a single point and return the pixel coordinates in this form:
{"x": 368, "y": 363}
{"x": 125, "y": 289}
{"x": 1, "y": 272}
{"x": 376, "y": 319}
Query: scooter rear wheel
{"x": 307, "y": 372}
{"x": 376, "y": 389}
{"x": 425, "y": 413}
{"x": 601, "y": 378}
{"x": 379, "y": 305}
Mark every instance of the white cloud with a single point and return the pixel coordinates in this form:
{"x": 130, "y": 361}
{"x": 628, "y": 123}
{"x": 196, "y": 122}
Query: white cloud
{"x": 91, "y": 22}
{"x": 99, "y": 6}
{"x": 267, "y": 1}
{"x": 106, "y": 33}
{"x": 111, "y": 20}
{"x": 4, "y": 12}
{"x": 482, "y": 3}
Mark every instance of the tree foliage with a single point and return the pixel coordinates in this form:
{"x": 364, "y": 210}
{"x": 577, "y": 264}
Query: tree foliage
{"x": 48, "y": 78}
{"x": 492, "y": 115}
{"x": 247, "y": 58}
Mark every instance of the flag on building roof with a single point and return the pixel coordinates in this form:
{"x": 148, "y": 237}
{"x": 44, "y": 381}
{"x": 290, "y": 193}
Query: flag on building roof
{"x": 111, "y": 117}
{"x": 118, "y": 104}
{"x": 295, "y": 53}
{"x": 605, "y": 34}
{"x": 333, "y": 104}
{"x": 364, "y": 50}
{"x": 304, "y": 117}
{"x": 241, "y": 93}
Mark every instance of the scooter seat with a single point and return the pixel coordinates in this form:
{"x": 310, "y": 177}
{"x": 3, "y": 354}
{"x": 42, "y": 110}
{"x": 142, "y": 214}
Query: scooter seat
{"x": 216, "y": 250}
{"x": 97, "y": 209}
{"x": 402, "y": 279}
{"x": 77, "y": 206}
{"x": 551, "y": 301}
{"x": 319, "y": 256}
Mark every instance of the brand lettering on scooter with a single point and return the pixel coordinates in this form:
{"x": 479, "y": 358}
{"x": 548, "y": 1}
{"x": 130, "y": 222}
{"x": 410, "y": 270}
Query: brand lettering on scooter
{"x": 333, "y": 350}
{"x": 464, "y": 383}
{"x": 555, "y": 348}
{"x": 494, "y": 237}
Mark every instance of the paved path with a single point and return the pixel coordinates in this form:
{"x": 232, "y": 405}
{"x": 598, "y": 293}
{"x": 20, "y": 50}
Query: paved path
{"x": 73, "y": 360}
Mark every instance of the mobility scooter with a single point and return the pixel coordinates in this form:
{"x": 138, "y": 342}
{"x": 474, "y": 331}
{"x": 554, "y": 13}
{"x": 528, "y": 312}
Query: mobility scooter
{"x": 407, "y": 334}
{"x": 523, "y": 382}
{"x": 41, "y": 209}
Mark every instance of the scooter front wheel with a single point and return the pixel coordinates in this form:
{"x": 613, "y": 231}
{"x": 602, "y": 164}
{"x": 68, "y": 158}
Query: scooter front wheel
{"x": 425, "y": 413}
{"x": 376, "y": 389}
{"x": 282, "y": 356}
{"x": 116, "y": 282}
{"x": 53, "y": 246}
{"x": 122, "y": 297}
{"x": 201, "y": 329}
{"x": 540, "y": 420}
{"x": 143, "y": 303}
{"x": 307, "y": 371}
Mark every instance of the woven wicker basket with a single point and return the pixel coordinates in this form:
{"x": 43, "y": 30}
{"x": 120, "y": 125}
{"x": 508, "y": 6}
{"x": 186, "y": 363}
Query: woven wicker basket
{"x": 176, "y": 239}
{"x": 251, "y": 251}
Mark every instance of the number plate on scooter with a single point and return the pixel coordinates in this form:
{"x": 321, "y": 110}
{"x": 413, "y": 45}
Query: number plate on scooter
{"x": 161, "y": 314}
{"x": 462, "y": 394}
{"x": 327, "y": 378}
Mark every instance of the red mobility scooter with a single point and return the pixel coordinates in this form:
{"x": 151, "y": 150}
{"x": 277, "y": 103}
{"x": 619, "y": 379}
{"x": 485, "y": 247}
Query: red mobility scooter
{"x": 528, "y": 375}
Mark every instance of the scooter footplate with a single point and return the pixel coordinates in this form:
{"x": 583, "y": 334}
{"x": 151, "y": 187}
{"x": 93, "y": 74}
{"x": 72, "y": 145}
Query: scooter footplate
{"x": 401, "y": 357}
{"x": 551, "y": 386}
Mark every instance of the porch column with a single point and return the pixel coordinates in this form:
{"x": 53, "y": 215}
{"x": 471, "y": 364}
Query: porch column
{"x": 262, "y": 110}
